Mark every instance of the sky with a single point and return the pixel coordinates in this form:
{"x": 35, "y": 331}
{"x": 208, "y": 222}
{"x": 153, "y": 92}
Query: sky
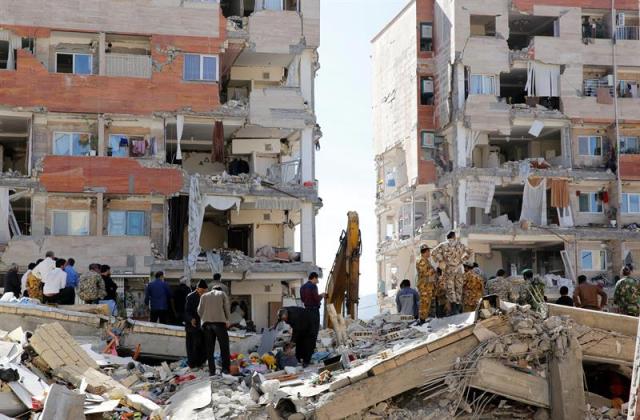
{"x": 345, "y": 164}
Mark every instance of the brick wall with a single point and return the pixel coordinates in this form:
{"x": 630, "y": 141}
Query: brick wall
{"x": 527, "y": 5}
{"x": 630, "y": 167}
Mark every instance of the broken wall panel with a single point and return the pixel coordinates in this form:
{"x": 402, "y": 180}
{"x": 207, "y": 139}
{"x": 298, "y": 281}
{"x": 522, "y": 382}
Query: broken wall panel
{"x": 109, "y": 175}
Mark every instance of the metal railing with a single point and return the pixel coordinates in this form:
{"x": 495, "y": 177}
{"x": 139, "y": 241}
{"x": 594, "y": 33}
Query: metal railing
{"x": 590, "y": 87}
{"x": 285, "y": 173}
{"x": 628, "y": 32}
{"x": 128, "y": 65}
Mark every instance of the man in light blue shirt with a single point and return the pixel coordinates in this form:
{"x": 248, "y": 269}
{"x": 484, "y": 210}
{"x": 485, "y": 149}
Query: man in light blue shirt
{"x": 72, "y": 274}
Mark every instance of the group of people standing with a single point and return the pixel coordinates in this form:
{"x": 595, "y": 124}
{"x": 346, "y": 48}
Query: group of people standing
{"x": 54, "y": 280}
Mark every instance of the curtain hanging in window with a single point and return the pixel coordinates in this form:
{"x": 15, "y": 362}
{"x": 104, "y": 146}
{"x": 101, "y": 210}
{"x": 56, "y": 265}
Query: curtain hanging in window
{"x": 179, "y": 128}
{"x": 542, "y": 79}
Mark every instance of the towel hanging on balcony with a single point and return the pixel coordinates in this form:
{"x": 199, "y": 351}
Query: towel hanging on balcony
{"x": 534, "y": 202}
{"x": 542, "y": 79}
{"x": 217, "y": 150}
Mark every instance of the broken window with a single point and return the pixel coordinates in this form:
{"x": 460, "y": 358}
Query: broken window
{"x": 482, "y": 25}
{"x": 72, "y": 144}
{"x": 126, "y": 223}
{"x": 70, "y": 223}
{"x": 426, "y": 37}
{"x": 592, "y": 260}
{"x": 74, "y": 63}
{"x": 629, "y": 145}
{"x": 198, "y": 67}
{"x": 426, "y": 91}
{"x": 590, "y": 145}
{"x": 589, "y": 202}
{"x": 631, "y": 203}
{"x": 482, "y": 85}
{"x": 523, "y": 29}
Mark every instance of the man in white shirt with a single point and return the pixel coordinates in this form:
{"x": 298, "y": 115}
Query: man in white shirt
{"x": 25, "y": 276}
{"x": 55, "y": 281}
{"x": 45, "y": 267}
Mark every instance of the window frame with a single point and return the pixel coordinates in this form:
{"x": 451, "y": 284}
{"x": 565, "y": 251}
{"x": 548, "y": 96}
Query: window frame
{"x": 602, "y": 259}
{"x": 429, "y": 47}
{"x": 427, "y": 100}
{"x": 126, "y": 222}
{"x": 424, "y": 142}
{"x": 626, "y": 203}
{"x": 69, "y": 213}
{"x": 591, "y": 195}
{"x": 201, "y": 73}
{"x": 636, "y": 139}
{"x": 483, "y": 82}
{"x": 70, "y": 134}
{"x": 589, "y": 137}
{"x": 73, "y": 63}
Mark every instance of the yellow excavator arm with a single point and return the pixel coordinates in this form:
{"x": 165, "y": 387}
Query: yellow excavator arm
{"x": 344, "y": 278}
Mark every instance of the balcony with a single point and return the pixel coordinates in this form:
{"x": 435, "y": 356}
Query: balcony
{"x": 128, "y": 65}
{"x": 631, "y": 33}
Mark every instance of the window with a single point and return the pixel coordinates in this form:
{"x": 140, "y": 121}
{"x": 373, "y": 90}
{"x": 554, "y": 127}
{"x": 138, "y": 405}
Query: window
{"x": 589, "y": 203}
{"x": 629, "y": 145}
{"x": 483, "y": 25}
{"x": 426, "y": 91}
{"x": 427, "y": 140}
{"x": 273, "y": 5}
{"x": 201, "y": 67}
{"x": 590, "y": 145}
{"x": 126, "y": 223}
{"x": 631, "y": 203}
{"x": 5, "y": 54}
{"x": 74, "y": 63}
{"x": 72, "y": 144}
{"x": 426, "y": 37}
{"x": 482, "y": 85}
{"x": 70, "y": 223}
{"x": 593, "y": 260}
{"x": 121, "y": 145}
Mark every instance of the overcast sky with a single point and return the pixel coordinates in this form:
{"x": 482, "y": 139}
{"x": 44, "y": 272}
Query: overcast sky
{"x": 345, "y": 163}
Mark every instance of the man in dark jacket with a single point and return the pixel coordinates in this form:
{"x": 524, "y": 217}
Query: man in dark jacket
{"x": 111, "y": 287}
{"x": 12, "y": 281}
{"x": 196, "y": 355}
{"x": 301, "y": 321}
{"x": 180, "y": 294}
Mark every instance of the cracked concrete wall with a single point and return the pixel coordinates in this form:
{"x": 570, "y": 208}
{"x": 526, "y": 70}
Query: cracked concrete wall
{"x": 171, "y": 17}
{"x": 279, "y": 107}
{"x": 395, "y": 103}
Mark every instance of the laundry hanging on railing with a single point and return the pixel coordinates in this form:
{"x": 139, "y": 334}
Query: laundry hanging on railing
{"x": 542, "y": 79}
{"x": 559, "y": 193}
{"x": 534, "y": 202}
{"x": 479, "y": 193}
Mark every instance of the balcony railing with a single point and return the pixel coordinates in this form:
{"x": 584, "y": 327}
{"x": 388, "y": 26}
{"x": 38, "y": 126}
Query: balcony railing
{"x": 591, "y": 86}
{"x": 128, "y": 65}
{"x": 628, "y": 32}
{"x": 285, "y": 173}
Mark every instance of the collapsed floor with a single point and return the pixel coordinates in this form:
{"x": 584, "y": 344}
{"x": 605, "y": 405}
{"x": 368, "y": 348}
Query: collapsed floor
{"x": 506, "y": 362}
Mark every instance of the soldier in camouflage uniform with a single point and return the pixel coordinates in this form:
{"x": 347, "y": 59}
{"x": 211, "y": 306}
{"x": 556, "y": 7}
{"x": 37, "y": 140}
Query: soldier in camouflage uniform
{"x": 533, "y": 291}
{"x": 449, "y": 256}
{"x": 503, "y": 287}
{"x": 91, "y": 286}
{"x": 627, "y": 294}
{"x": 426, "y": 282}
{"x": 472, "y": 290}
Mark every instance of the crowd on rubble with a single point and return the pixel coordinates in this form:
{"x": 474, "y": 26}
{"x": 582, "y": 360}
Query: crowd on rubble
{"x": 448, "y": 278}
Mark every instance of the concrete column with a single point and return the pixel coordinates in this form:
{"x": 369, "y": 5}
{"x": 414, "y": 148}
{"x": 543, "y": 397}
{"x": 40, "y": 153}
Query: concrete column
{"x": 38, "y": 214}
{"x": 307, "y": 155}
{"x": 307, "y": 75}
{"x": 99, "y": 213}
{"x": 1, "y": 158}
{"x": 462, "y": 202}
{"x": 308, "y": 233}
{"x": 101, "y": 127}
{"x": 459, "y": 81}
{"x": 102, "y": 56}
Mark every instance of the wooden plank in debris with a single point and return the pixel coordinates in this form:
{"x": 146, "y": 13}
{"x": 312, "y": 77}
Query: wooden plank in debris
{"x": 370, "y": 391}
{"x": 566, "y": 383}
{"x": 494, "y": 377}
{"x": 622, "y": 324}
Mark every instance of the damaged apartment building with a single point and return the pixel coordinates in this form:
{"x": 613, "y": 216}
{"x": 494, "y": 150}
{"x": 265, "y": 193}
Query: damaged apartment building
{"x": 173, "y": 135}
{"x": 516, "y": 123}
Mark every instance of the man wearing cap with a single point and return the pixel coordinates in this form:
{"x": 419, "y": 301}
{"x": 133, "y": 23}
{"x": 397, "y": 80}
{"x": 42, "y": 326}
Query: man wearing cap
{"x": 426, "y": 282}
{"x": 449, "y": 256}
{"x": 196, "y": 355}
{"x": 473, "y": 288}
{"x": 214, "y": 311}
